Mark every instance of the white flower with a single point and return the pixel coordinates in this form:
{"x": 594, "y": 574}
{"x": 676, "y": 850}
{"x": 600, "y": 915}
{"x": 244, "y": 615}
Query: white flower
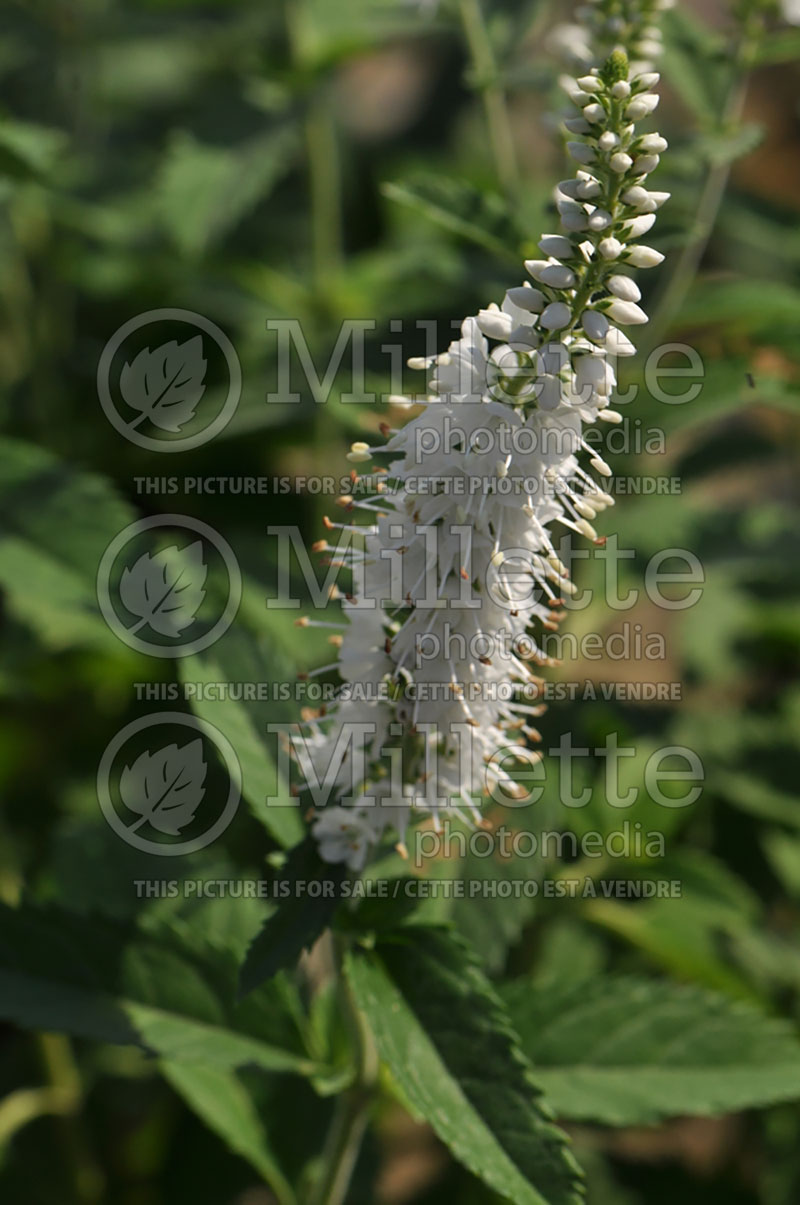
{"x": 620, "y": 163}
{"x": 641, "y": 106}
{"x": 610, "y": 248}
{"x": 653, "y": 144}
{"x": 624, "y": 287}
{"x": 626, "y": 312}
{"x": 494, "y": 323}
{"x": 581, "y": 152}
{"x": 450, "y": 582}
{"x": 636, "y": 227}
{"x": 644, "y": 257}
{"x": 555, "y": 316}
{"x": 619, "y": 344}
{"x": 571, "y": 42}
{"x": 526, "y": 298}
{"x": 557, "y": 246}
{"x": 344, "y": 835}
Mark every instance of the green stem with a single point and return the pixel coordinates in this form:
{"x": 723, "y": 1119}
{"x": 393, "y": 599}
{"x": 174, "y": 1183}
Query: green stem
{"x": 342, "y": 1147}
{"x": 324, "y": 172}
{"x": 325, "y": 188}
{"x": 486, "y": 79}
{"x": 351, "y": 1114}
{"x": 55, "y": 1051}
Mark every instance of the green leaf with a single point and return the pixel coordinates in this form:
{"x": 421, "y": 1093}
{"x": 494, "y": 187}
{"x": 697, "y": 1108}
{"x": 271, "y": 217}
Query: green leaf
{"x": 28, "y": 150}
{"x": 204, "y": 191}
{"x": 335, "y": 33}
{"x": 492, "y": 923}
{"x": 627, "y": 1051}
{"x": 780, "y": 46}
{"x": 222, "y": 1101}
{"x": 241, "y": 659}
{"x": 446, "y": 1039}
{"x": 55, "y": 525}
{"x": 299, "y": 918}
{"x": 695, "y": 64}
{"x": 462, "y": 209}
{"x": 783, "y": 853}
{"x": 723, "y": 147}
{"x": 749, "y": 305}
{"x": 688, "y": 937}
{"x": 109, "y": 982}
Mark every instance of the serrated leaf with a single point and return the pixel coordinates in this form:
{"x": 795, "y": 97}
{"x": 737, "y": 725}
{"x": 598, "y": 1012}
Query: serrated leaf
{"x": 459, "y": 207}
{"x": 224, "y": 1104}
{"x": 695, "y": 62}
{"x": 446, "y": 1039}
{"x": 165, "y": 384}
{"x": 55, "y": 525}
{"x": 165, "y": 589}
{"x": 628, "y": 1051}
{"x": 299, "y": 919}
{"x": 111, "y": 982}
{"x": 725, "y": 147}
{"x": 165, "y": 788}
{"x": 239, "y": 658}
{"x": 203, "y": 191}
{"x": 491, "y": 923}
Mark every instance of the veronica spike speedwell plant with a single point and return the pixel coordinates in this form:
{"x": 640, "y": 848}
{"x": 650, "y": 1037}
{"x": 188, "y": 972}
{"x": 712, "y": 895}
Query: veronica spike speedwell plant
{"x": 460, "y": 566}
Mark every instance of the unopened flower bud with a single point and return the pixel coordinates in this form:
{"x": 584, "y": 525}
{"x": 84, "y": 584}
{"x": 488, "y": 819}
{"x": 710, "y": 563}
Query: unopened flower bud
{"x": 644, "y": 257}
{"x": 526, "y": 298}
{"x": 639, "y": 226}
{"x": 581, "y": 152}
{"x": 557, "y": 276}
{"x": 610, "y": 248}
{"x": 595, "y": 325}
{"x": 618, "y": 344}
{"x": 642, "y": 105}
{"x": 652, "y": 144}
{"x": 620, "y": 162}
{"x": 359, "y": 452}
{"x": 624, "y": 287}
{"x": 645, "y": 164}
{"x": 600, "y": 219}
{"x": 626, "y": 312}
{"x": 577, "y": 125}
{"x": 495, "y": 324}
{"x": 555, "y": 316}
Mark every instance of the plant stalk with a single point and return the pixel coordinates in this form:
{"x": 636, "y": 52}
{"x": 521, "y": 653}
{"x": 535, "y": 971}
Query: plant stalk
{"x": 486, "y": 78}
{"x": 351, "y": 1114}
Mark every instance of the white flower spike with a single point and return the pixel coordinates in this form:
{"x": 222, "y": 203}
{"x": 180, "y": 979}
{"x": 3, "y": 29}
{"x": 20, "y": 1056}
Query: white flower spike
{"x": 459, "y": 565}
